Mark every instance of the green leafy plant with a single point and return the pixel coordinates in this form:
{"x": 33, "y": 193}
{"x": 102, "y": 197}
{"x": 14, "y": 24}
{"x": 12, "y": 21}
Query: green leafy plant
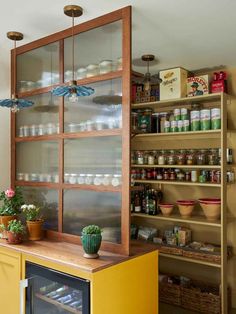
{"x": 92, "y": 229}
{"x": 14, "y": 226}
{"x": 31, "y": 212}
{"x": 11, "y": 202}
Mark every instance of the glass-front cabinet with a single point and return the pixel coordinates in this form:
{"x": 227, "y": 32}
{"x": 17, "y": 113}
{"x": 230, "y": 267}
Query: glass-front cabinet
{"x": 73, "y": 158}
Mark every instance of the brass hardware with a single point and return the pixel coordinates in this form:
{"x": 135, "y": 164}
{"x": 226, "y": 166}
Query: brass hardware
{"x": 148, "y": 57}
{"x": 73, "y": 10}
{"x": 72, "y": 83}
{"x": 15, "y": 35}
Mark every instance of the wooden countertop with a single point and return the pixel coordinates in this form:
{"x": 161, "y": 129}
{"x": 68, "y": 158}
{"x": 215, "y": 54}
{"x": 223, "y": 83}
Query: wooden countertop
{"x": 72, "y": 255}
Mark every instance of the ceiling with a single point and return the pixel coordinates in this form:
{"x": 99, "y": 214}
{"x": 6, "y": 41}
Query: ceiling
{"x": 188, "y": 33}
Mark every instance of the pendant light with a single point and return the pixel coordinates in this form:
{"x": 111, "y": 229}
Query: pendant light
{"x": 72, "y": 91}
{"x": 14, "y": 103}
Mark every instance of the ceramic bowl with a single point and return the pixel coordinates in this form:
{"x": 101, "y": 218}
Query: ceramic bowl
{"x": 186, "y": 207}
{"x": 211, "y": 208}
{"x": 166, "y": 208}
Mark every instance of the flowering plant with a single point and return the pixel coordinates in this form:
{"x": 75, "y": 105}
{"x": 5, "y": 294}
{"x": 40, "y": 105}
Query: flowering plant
{"x": 31, "y": 212}
{"x": 14, "y": 226}
{"x": 11, "y": 202}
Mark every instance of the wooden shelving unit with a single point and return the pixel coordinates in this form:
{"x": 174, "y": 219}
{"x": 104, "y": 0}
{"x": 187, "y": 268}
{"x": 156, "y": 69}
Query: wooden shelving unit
{"x": 189, "y": 140}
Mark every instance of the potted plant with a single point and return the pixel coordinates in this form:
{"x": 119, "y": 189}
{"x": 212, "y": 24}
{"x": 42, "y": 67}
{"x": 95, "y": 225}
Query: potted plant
{"x": 91, "y": 240}
{"x": 34, "y": 221}
{"x": 15, "y": 231}
{"x": 10, "y": 207}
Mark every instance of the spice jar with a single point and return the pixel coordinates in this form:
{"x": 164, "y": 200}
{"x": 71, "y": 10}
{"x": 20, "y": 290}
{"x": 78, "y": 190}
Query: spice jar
{"x": 149, "y": 174}
{"x": 187, "y": 176}
{"x": 143, "y": 174}
{"x": 161, "y": 158}
{"x": 172, "y": 175}
{"x": 116, "y": 181}
{"x": 181, "y": 158}
{"x": 180, "y": 175}
{"x": 134, "y": 121}
{"x": 98, "y": 179}
{"x": 138, "y": 174}
{"x": 163, "y": 117}
{"x": 190, "y": 157}
{"x": 170, "y": 159}
{"x": 151, "y": 159}
{"x": 166, "y": 175}
{"x": 133, "y": 174}
{"x": 89, "y": 179}
{"x": 106, "y": 179}
{"x": 213, "y": 157}
{"x": 140, "y": 159}
{"x": 201, "y": 157}
{"x": 144, "y": 120}
{"x": 159, "y": 175}
{"x": 81, "y": 178}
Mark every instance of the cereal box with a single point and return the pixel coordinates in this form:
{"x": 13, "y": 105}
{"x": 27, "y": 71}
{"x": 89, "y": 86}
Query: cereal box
{"x": 197, "y": 85}
{"x": 173, "y": 83}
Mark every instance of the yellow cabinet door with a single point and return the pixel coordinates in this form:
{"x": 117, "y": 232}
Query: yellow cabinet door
{"x": 10, "y": 275}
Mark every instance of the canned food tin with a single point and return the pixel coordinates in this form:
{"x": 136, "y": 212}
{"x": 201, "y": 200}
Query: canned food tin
{"x": 205, "y": 119}
{"x": 195, "y": 120}
{"x": 184, "y": 113}
{"x": 177, "y": 114}
{"x": 215, "y": 119}
{"x": 173, "y": 126}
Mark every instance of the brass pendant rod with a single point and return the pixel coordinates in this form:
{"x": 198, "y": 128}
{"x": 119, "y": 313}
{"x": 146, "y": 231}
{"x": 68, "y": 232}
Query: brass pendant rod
{"x": 73, "y": 47}
{"x": 15, "y": 71}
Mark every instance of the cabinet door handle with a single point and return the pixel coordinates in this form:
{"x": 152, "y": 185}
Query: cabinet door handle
{"x": 23, "y": 284}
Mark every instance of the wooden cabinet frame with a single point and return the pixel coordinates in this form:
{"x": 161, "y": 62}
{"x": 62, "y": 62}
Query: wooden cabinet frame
{"x": 124, "y": 15}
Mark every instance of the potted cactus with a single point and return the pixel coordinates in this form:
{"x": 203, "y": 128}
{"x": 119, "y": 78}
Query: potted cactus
{"x": 34, "y": 221}
{"x": 15, "y": 231}
{"x": 91, "y": 240}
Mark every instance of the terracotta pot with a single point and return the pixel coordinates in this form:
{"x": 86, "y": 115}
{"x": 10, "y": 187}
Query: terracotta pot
{"x": 5, "y": 220}
{"x": 91, "y": 244}
{"x": 14, "y": 238}
{"x": 166, "y": 208}
{"x": 186, "y": 207}
{"x": 34, "y": 229}
{"x": 211, "y": 208}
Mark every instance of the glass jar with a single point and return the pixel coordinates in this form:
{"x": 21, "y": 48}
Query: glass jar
{"x": 20, "y": 176}
{"x": 92, "y": 70}
{"x": 162, "y": 158}
{"x": 159, "y": 175}
{"x": 163, "y": 118}
{"x": 81, "y": 179}
{"x": 140, "y": 158}
{"x": 144, "y": 120}
{"x": 81, "y": 73}
{"x": 143, "y": 174}
{"x": 98, "y": 179}
{"x": 105, "y": 66}
{"x": 116, "y": 181}
{"x": 149, "y": 174}
{"x": 166, "y": 175}
{"x": 66, "y": 178}
{"x": 106, "y": 179}
{"x": 21, "y": 131}
{"x": 33, "y": 130}
{"x": 99, "y": 125}
{"x": 180, "y": 176}
{"x": 155, "y": 122}
{"x": 172, "y": 175}
{"x": 181, "y": 157}
{"x": 34, "y": 177}
{"x": 187, "y": 176}
{"x": 133, "y": 175}
{"x": 26, "y": 130}
{"x": 213, "y": 157}
{"x": 89, "y": 179}
{"x": 89, "y": 125}
{"x": 151, "y": 159}
{"x": 201, "y": 157}
{"x": 134, "y": 121}
{"x": 73, "y": 178}
{"x": 190, "y": 157}
{"x": 171, "y": 158}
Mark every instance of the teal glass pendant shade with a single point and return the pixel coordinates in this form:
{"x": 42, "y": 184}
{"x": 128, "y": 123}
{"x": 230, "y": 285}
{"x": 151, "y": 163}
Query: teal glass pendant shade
{"x": 72, "y": 91}
{"x": 15, "y": 104}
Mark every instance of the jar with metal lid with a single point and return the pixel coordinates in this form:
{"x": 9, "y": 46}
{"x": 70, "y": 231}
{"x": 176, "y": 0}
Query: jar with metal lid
{"x": 180, "y": 176}
{"x": 143, "y": 174}
{"x": 162, "y": 158}
{"x": 144, "y": 120}
{"x": 151, "y": 159}
{"x": 106, "y": 179}
{"x": 116, "y": 181}
{"x": 163, "y": 117}
{"x": 89, "y": 179}
{"x": 145, "y": 157}
{"x": 140, "y": 158}
{"x": 172, "y": 175}
{"x": 201, "y": 157}
{"x": 191, "y": 157}
{"x": 134, "y": 121}
{"x": 213, "y": 157}
{"x": 149, "y": 174}
{"x": 187, "y": 176}
{"x": 171, "y": 158}
{"x": 81, "y": 178}
{"x": 181, "y": 157}
{"x": 166, "y": 175}
{"x": 155, "y": 122}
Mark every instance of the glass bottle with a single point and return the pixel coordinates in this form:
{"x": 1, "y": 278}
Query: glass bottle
{"x": 140, "y": 158}
{"x": 137, "y": 203}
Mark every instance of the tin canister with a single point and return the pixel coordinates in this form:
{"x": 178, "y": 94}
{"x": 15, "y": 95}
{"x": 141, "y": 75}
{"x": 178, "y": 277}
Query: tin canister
{"x": 205, "y": 119}
{"x": 167, "y": 126}
{"x": 173, "y": 126}
{"x": 180, "y": 125}
{"x": 186, "y": 125}
{"x": 184, "y": 113}
{"x": 195, "y": 120}
{"x": 177, "y": 114}
{"x": 215, "y": 118}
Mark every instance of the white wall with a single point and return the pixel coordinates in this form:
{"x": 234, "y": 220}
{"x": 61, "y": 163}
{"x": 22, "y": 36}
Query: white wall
{"x": 4, "y": 120}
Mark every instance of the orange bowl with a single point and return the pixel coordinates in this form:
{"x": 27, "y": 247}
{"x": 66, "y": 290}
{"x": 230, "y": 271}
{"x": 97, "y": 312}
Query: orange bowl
{"x": 166, "y": 208}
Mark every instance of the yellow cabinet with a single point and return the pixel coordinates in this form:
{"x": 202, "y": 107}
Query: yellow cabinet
{"x": 10, "y": 275}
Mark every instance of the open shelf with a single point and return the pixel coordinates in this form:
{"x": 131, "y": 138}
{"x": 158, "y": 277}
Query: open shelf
{"x": 212, "y": 185}
{"x": 105, "y": 132}
{"x": 190, "y": 260}
{"x": 57, "y": 304}
{"x": 177, "y": 218}
{"x": 210, "y": 134}
{"x": 85, "y": 81}
{"x": 178, "y": 166}
{"x": 171, "y": 102}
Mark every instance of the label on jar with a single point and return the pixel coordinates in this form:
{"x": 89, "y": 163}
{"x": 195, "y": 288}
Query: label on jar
{"x": 180, "y": 126}
{"x": 186, "y": 125}
{"x": 194, "y": 175}
{"x": 195, "y": 120}
{"x": 205, "y": 117}
{"x": 167, "y": 126}
{"x": 144, "y": 122}
{"x": 173, "y": 126}
{"x": 215, "y": 119}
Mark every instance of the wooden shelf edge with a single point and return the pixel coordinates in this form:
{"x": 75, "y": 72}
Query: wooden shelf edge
{"x": 214, "y": 185}
{"x": 169, "y": 134}
{"x": 105, "y": 132}
{"x": 85, "y": 81}
{"x": 190, "y": 260}
{"x": 58, "y": 304}
{"x": 207, "y": 97}
{"x": 175, "y": 218}
{"x": 177, "y": 166}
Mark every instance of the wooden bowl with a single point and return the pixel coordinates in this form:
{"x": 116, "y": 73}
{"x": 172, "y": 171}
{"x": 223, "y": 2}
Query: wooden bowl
{"x": 186, "y": 207}
{"x": 211, "y": 208}
{"x": 166, "y": 208}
